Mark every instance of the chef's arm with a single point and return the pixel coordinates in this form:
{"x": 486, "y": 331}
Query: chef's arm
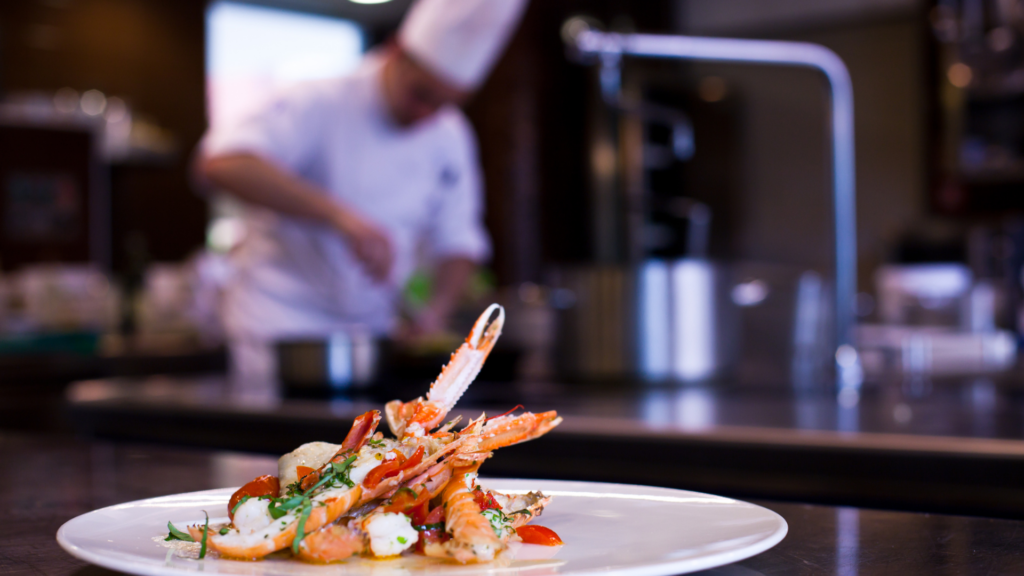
{"x": 257, "y": 181}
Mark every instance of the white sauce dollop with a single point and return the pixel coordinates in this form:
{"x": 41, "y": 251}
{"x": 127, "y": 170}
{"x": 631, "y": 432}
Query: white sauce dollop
{"x": 390, "y": 533}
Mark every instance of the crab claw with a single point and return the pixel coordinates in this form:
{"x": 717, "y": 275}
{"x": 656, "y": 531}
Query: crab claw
{"x": 420, "y": 416}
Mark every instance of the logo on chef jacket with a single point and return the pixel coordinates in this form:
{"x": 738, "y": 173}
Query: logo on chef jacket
{"x": 449, "y": 177}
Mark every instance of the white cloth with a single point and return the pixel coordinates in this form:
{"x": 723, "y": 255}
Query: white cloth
{"x": 460, "y": 40}
{"x": 295, "y": 278}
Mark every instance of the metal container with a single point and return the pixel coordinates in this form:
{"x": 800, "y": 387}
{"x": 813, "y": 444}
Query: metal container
{"x": 323, "y": 365}
{"x": 691, "y": 320}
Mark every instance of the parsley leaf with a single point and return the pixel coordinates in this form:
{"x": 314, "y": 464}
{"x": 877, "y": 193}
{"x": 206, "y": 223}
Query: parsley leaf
{"x": 240, "y": 502}
{"x": 301, "y": 532}
{"x": 292, "y": 488}
{"x": 176, "y": 534}
{"x": 279, "y": 506}
{"x": 401, "y": 540}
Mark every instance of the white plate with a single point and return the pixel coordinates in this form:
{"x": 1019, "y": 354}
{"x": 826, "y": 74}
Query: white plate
{"x": 608, "y": 529}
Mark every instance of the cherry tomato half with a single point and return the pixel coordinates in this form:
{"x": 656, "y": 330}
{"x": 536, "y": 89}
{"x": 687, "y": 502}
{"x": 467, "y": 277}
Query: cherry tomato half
{"x": 485, "y": 500}
{"x": 392, "y": 467}
{"x": 532, "y": 534}
{"x": 410, "y": 502}
{"x": 436, "y": 515}
{"x": 431, "y": 536}
{"x": 263, "y": 486}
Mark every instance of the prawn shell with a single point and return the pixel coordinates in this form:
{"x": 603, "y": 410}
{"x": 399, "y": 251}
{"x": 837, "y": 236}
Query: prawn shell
{"x": 468, "y": 527}
{"x": 319, "y": 516}
{"x": 330, "y": 544}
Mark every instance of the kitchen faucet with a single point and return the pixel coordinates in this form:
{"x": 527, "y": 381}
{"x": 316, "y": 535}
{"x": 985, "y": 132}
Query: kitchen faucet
{"x": 609, "y": 48}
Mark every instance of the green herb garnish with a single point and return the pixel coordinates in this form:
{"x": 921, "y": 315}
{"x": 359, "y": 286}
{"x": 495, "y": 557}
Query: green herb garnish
{"x": 240, "y": 502}
{"x": 499, "y": 522}
{"x": 376, "y": 443}
{"x": 406, "y": 489}
{"x": 401, "y": 540}
{"x": 206, "y": 530}
{"x": 300, "y": 533}
{"x": 337, "y": 472}
{"x": 279, "y": 506}
{"x": 523, "y": 511}
{"x": 176, "y": 534}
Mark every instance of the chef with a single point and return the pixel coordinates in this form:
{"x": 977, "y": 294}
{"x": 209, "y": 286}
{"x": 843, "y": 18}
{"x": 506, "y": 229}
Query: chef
{"x": 345, "y": 180}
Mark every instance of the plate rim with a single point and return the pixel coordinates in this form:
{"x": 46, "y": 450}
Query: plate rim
{"x": 682, "y": 566}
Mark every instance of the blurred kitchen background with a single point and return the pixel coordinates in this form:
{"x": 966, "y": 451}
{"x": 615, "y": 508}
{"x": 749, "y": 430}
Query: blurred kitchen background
{"x": 681, "y": 237}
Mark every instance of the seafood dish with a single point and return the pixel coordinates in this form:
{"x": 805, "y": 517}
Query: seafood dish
{"x": 376, "y": 496}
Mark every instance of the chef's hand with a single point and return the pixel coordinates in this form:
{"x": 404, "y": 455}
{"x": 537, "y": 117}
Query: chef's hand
{"x": 428, "y": 322}
{"x": 371, "y": 245}
{"x": 422, "y": 329}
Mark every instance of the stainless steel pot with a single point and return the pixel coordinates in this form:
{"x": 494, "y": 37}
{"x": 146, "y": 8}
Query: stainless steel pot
{"x": 333, "y": 363}
{"x": 691, "y": 319}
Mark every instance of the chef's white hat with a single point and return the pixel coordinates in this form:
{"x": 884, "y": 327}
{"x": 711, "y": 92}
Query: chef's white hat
{"x": 459, "y": 40}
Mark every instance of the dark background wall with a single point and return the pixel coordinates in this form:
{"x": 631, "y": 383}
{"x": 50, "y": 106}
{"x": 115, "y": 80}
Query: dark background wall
{"x": 782, "y": 212}
{"x": 534, "y": 118}
{"x": 534, "y": 121}
{"x": 530, "y": 116}
{"x": 149, "y": 52}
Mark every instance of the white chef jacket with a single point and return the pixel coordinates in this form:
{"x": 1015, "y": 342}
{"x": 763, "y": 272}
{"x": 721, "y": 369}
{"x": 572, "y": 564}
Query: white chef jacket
{"x": 417, "y": 183}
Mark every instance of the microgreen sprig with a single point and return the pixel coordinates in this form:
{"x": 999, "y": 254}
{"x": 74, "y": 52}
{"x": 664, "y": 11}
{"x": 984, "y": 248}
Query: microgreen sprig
{"x": 175, "y": 534}
{"x": 336, "y": 471}
{"x": 206, "y": 531}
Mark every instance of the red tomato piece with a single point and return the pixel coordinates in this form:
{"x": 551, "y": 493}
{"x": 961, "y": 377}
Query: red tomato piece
{"x": 436, "y": 515}
{"x": 485, "y": 500}
{"x": 392, "y": 467}
{"x": 263, "y": 486}
{"x": 374, "y": 477}
{"x": 431, "y": 536}
{"x": 532, "y": 534}
{"x": 408, "y": 501}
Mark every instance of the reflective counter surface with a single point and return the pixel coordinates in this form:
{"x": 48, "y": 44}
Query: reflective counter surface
{"x": 946, "y": 447}
{"x": 47, "y": 480}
